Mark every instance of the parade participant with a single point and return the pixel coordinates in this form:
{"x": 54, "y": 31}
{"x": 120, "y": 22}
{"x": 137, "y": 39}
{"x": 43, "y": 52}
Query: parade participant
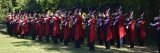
{"x": 92, "y": 36}
{"x": 18, "y": 26}
{"x": 141, "y": 30}
{"x": 121, "y": 29}
{"x": 47, "y": 27}
{"x": 108, "y": 36}
{"x": 24, "y": 27}
{"x": 87, "y": 22}
{"x": 12, "y": 25}
{"x": 114, "y": 28}
{"x": 157, "y": 25}
{"x": 56, "y": 29}
{"x": 61, "y": 25}
{"x": 78, "y": 29}
{"x": 36, "y": 27}
{"x": 51, "y": 25}
{"x": 67, "y": 30}
{"x": 72, "y": 26}
{"x": 41, "y": 27}
{"x": 32, "y": 29}
{"x": 8, "y": 19}
{"x": 101, "y": 28}
{"x": 132, "y": 35}
{"x": 127, "y": 21}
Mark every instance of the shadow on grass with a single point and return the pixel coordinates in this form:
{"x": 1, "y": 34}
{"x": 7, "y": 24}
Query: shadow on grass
{"x": 3, "y": 32}
{"x": 70, "y": 49}
{"x": 22, "y": 43}
{"x": 149, "y": 48}
{"x": 3, "y": 27}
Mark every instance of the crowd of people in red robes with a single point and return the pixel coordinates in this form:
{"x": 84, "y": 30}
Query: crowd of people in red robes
{"x": 105, "y": 28}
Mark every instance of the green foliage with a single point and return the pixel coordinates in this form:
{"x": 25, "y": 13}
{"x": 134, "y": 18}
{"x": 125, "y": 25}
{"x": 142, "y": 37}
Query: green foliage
{"x": 150, "y": 7}
{"x": 3, "y": 14}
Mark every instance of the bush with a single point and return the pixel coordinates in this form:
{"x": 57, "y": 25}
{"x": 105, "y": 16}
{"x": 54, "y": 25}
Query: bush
{"x": 3, "y": 14}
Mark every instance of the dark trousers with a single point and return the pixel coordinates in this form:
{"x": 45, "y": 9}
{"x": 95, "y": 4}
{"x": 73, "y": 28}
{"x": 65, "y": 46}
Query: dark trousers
{"x": 57, "y": 38}
{"x": 32, "y": 33}
{"x": 140, "y": 41}
{"x": 113, "y": 41}
{"x": 107, "y": 44}
{"x": 158, "y": 40}
{"x": 100, "y": 41}
{"x": 66, "y": 41}
{"x": 47, "y": 38}
{"x": 120, "y": 43}
{"x": 91, "y": 46}
{"x": 12, "y": 30}
{"x": 33, "y": 36}
{"x": 82, "y": 40}
{"x": 61, "y": 37}
{"x": 132, "y": 44}
{"x": 7, "y": 27}
{"x": 77, "y": 44}
{"x": 40, "y": 37}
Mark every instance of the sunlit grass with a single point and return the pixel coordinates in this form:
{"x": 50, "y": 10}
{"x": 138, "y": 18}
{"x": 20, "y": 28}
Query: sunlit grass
{"x": 10, "y": 44}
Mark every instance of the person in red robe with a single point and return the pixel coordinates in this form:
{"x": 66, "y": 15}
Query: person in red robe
{"x": 78, "y": 30}
{"x": 92, "y": 36}
{"x": 101, "y": 30}
{"x": 132, "y": 33}
{"x": 121, "y": 30}
{"x": 18, "y": 27}
{"x": 108, "y": 37}
{"x": 131, "y": 28}
{"x": 36, "y": 26}
{"x": 14, "y": 25}
{"x": 67, "y": 31}
{"x": 24, "y": 28}
{"x": 56, "y": 29}
{"x": 47, "y": 28}
{"x": 40, "y": 28}
{"x": 141, "y": 30}
{"x": 61, "y": 28}
{"x": 32, "y": 29}
{"x": 113, "y": 28}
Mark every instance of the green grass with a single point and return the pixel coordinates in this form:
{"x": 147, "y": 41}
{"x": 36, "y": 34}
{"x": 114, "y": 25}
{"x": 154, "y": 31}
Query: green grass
{"x": 10, "y": 44}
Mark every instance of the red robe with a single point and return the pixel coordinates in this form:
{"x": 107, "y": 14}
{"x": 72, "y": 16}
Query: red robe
{"x": 92, "y": 36}
{"x": 121, "y": 28}
{"x": 36, "y": 26}
{"x": 66, "y": 30}
{"x": 102, "y": 30}
{"x": 56, "y": 29}
{"x": 132, "y": 29}
{"x": 61, "y": 27}
{"x": 113, "y": 28}
{"x": 78, "y": 28}
{"x": 142, "y": 30}
{"x": 41, "y": 27}
{"x": 17, "y": 26}
{"x": 109, "y": 30}
{"x": 47, "y": 30}
{"x": 25, "y": 27}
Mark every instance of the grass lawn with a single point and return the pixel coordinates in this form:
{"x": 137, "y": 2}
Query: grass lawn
{"x": 16, "y": 45}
